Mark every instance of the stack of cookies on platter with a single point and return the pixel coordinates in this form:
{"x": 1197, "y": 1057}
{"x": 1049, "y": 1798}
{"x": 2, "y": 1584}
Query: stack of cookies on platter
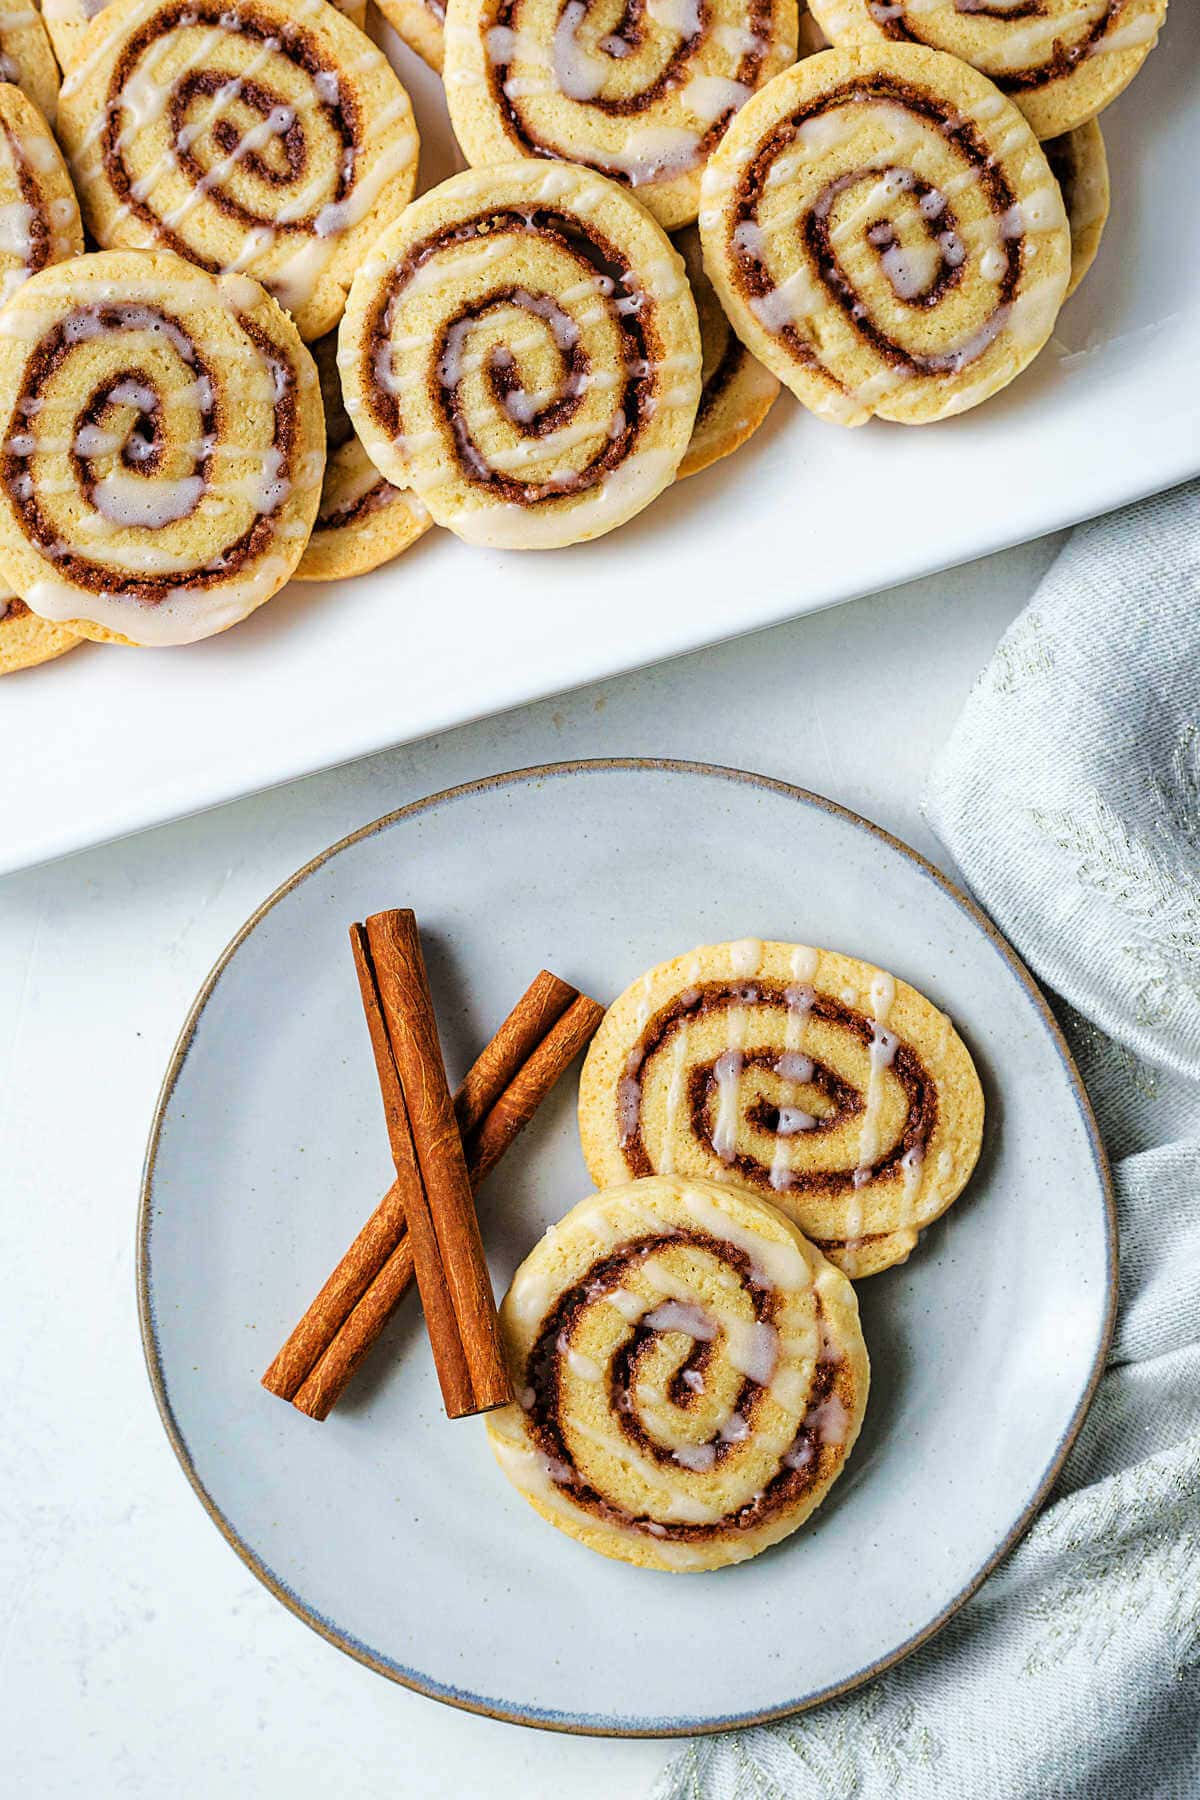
{"x": 279, "y": 362}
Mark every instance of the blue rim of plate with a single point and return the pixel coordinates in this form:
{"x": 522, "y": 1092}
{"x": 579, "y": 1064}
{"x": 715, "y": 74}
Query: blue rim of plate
{"x": 598, "y": 1724}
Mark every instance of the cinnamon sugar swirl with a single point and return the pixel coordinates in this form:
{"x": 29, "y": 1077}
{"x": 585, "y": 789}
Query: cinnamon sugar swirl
{"x": 266, "y": 137}
{"x": 820, "y": 1083}
{"x": 162, "y": 447}
{"x": 640, "y": 90}
{"x": 885, "y": 234}
{"x": 522, "y": 349}
{"x": 1060, "y": 61}
{"x": 691, "y": 1375}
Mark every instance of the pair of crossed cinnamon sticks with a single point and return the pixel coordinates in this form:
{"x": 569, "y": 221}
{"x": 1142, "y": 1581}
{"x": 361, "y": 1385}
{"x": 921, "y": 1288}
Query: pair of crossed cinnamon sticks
{"x": 442, "y": 1147}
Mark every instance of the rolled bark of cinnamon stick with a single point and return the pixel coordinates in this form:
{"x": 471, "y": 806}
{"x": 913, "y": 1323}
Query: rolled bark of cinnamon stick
{"x": 451, "y": 1270}
{"x": 506, "y": 1084}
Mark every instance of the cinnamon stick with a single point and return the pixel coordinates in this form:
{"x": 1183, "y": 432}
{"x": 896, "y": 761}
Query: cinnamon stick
{"x": 533, "y": 1047}
{"x": 431, "y": 1173}
{"x": 315, "y": 1339}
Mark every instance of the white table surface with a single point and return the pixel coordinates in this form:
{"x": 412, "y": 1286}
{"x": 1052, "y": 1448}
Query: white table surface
{"x": 138, "y": 1655}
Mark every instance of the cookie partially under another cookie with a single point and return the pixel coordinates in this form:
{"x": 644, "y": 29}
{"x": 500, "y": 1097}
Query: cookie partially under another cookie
{"x": 1060, "y": 61}
{"x": 817, "y": 1081}
{"x": 690, "y": 1375}
{"x": 640, "y": 94}
{"x": 736, "y": 392}
{"x": 26, "y": 640}
{"x": 272, "y": 139}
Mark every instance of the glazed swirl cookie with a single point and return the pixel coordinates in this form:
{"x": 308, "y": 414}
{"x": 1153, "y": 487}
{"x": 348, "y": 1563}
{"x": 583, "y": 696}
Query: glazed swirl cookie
{"x": 163, "y": 447}
{"x": 522, "y": 349}
{"x": 885, "y": 234}
{"x": 363, "y": 521}
{"x": 268, "y": 137}
{"x": 1080, "y": 166}
{"x": 817, "y": 1081}
{"x": 67, "y": 21}
{"x": 640, "y": 90}
{"x": 421, "y": 24}
{"x": 26, "y": 640}
{"x": 26, "y": 59}
{"x": 691, "y": 1375}
{"x": 736, "y": 393}
{"x": 39, "y": 215}
{"x": 1061, "y": 61}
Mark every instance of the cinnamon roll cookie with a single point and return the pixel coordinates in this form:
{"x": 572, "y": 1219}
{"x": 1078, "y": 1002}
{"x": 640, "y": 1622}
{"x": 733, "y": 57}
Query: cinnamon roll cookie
{"x": 26, "y": 640}
{"x": 736, "y": 392}
{"x": 822, "y": 1084}
{"x": 363, "y": 521}
{"x": 691, "y": 1375}
{"x": 522, "y": 349}
{"x": 163, "y": 447}
{"x": 39, "y": 215}
{"x": 268, "y": 137}
{"x": 26, "y": 59}
{"x": 1061, "y": 61}
{"x": 1080, "y": 166}
{"x": 885, "y": 234}
{"x": 66, "y": 22}
{"x": 640, "y": 90}
{"x": 421, "y": 24}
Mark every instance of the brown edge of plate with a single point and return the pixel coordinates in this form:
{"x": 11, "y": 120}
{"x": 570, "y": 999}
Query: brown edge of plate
{"x": 585, "y": 1727}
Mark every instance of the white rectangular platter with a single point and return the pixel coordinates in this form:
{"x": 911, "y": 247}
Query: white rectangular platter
{"x": 107, "y": 741}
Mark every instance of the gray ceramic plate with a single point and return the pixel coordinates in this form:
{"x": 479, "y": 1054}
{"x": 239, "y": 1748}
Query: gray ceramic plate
{"x": 389, "y": 1529}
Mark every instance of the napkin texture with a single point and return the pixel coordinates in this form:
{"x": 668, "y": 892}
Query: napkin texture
{"x": 1069, "y": 796}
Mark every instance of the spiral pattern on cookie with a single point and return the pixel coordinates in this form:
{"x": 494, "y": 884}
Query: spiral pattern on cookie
{"x": 522, "y": 349}
{"x": 247, "y": 135}
{"x": 1062, "y": 61}
{"x": 163, "y": 448}
{"x": 640, "y": 90}
{"x": 886, "y": 235}
{"x": 816, "y": 1081}
{"x": 690, "y": 1375}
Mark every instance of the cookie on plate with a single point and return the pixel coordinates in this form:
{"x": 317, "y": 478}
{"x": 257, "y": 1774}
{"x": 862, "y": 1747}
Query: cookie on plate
{"x": 26, "y": 59}
{"x": 163, "y": 447}
{"x": 271, "y": 139}
{"x": 884, "y": 232}
{"x": 736, "y": 392}
{"x": 37, "y": 201}
{"x": 363, "y": 521}
{"x": 522, "y": 349}
{"x": 817, "y": 1081}
{"x": 421, "y": 24}
{"x": 26, "y": 640}
{"x": 1060, "y": 61}
{"x": 1080, "y": 166}
{"x": 690, "y": 1375}
{"x": 642, "y": 95}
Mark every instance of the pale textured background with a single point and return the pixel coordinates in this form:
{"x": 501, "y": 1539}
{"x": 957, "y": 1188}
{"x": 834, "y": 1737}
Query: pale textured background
{"x": 138, "y": 1655}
